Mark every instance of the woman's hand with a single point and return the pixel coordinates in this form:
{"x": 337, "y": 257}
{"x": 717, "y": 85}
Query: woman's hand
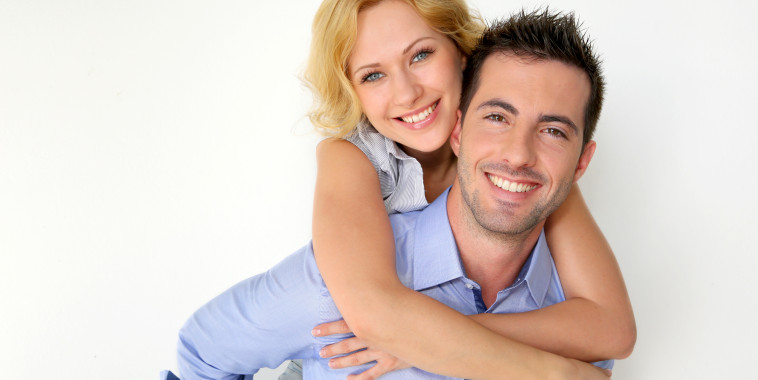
{"x": 356, "y": 353}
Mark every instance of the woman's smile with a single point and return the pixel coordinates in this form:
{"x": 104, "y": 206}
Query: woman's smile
{"x": 419, "y": 119}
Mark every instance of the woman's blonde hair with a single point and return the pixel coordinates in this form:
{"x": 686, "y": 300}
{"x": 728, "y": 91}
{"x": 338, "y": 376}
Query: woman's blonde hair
{"x": 336, "y": 109}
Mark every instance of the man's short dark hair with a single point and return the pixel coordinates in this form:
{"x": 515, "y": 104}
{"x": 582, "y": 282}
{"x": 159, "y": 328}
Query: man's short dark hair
{"x": 539, "y": 35}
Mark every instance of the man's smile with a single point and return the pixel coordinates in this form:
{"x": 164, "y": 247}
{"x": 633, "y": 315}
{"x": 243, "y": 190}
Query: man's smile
{"x": 512, "y": 186}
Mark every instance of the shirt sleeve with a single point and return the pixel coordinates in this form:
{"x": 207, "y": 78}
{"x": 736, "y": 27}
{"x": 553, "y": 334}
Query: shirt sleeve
{"x": 260, "y": 322}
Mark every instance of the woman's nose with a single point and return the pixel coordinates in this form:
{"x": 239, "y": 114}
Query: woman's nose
{"x": 406, "y": 89}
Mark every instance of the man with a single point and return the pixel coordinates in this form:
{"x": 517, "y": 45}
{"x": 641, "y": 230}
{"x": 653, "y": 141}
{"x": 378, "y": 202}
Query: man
{"x": 528, "y": 110}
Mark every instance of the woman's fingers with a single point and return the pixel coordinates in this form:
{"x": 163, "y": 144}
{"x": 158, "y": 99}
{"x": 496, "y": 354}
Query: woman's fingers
{"x": 356, "y": 353}
{"x": 344, "y": 346}
{"x": 331, "y": 328}
{"x": 385, "y": 363}
{"x": 354, "y": 359}
{"x": 371, "y": 373}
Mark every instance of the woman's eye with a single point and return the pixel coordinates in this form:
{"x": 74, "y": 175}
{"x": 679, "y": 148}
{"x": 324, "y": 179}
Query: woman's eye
{"x": 422, "y": 55}
{"x": 371, "y": 77}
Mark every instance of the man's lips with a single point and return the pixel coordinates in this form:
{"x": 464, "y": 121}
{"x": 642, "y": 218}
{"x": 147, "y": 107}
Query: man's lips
{"x": 512, "y": 186}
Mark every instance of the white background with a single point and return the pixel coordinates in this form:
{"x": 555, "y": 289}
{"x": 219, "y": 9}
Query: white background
{"x": 153, "y": 153}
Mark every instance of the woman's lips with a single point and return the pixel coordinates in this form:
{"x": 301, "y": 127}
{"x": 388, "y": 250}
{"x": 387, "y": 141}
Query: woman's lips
{"x": 420, "y": 118}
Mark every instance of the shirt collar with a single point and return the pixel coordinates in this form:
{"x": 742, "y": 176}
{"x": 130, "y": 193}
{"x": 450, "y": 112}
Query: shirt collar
{"x": 538, "y": 270}
{"x": 435, "y": 254}
{"x": 436, "y": 259}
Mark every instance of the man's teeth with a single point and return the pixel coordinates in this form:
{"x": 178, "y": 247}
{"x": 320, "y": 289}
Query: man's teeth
{"x": 513, "y": 187}
{"x": 421, "y": 115}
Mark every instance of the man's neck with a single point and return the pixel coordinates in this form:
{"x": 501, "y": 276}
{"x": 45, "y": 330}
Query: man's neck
{"x": 492, "y": 259}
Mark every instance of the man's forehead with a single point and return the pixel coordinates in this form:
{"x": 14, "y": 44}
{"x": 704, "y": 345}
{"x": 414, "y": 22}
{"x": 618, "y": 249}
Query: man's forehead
{"x": 531, "y": 83}
{"x": 509, "y": 65}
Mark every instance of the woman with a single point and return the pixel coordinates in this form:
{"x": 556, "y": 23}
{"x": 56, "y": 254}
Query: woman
{"x": 362, "y": 75}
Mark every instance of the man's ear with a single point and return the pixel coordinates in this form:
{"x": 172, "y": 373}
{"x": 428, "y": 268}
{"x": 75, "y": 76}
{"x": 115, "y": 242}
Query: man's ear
{"x": 455, "y": 137}
{"x": 584, "y": 159}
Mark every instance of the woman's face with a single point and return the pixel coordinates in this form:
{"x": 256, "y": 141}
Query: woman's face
{"x": 407, "y": 76}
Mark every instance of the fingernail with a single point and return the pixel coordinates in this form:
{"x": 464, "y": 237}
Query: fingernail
{"x": 315, "y": 332}
{"x": 331, "y": 364}
{"x": 322, "y": 353}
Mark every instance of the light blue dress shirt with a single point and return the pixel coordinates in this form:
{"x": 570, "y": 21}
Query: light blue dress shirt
{"x": 267, "y": 319}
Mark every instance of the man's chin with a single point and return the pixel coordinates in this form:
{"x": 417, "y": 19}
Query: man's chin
{"x": 508, "y": 223}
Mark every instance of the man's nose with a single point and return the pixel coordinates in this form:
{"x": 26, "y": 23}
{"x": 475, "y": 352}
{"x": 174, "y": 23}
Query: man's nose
{"x": 406, "y": 89}
{"x": 518, "y": 147}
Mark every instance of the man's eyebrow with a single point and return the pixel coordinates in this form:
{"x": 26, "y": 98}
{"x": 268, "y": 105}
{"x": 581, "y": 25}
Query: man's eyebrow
{"x": 499, "y": 103}
{"x": 560, "y": 119}
{"x": 405, "y": 51}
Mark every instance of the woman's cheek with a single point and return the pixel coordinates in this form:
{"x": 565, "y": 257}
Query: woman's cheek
{"x": 369, "y": 102}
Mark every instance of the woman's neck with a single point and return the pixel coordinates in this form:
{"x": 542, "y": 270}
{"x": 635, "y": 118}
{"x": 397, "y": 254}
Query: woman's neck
{"x": 439, "y": 168}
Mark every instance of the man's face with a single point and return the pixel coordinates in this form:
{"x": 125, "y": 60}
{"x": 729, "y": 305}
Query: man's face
{"x": 520, "y": 148}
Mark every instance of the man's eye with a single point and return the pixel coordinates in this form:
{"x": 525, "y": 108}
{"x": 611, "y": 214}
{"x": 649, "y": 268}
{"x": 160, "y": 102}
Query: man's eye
{"x": 371, "y": 77}
{"x": 496, "y": 117}
{"x": 555, "y": 132}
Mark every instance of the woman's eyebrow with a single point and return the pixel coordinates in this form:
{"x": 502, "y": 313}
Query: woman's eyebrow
{"x": 367, "y": 66}
{"x": 409, "y": 47}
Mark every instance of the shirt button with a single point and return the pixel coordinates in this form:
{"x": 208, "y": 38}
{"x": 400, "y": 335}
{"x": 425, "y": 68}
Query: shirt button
{"x": 470, "y": 286}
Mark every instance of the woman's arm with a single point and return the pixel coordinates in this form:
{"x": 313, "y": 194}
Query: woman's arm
{"x": 354, "y": 250}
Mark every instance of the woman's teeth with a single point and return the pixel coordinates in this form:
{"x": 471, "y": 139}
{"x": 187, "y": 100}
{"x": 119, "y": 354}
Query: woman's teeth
{"x": 420, "y": 116}
{"x": 513, "y": 187}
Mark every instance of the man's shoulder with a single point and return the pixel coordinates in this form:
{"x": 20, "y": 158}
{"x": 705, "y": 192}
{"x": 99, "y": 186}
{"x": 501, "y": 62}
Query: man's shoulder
{"x": 432, "y": 220}
{"x": 404, "y": 223}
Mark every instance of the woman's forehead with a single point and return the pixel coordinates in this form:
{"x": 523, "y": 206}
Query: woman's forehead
{"x": 387, "y": 29}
